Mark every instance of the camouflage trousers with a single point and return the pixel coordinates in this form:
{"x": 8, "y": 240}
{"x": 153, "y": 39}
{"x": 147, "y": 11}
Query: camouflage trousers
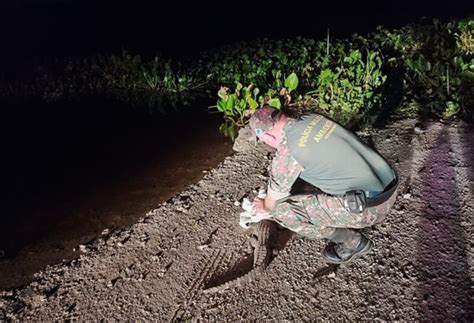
{"x": 317, "y": 216}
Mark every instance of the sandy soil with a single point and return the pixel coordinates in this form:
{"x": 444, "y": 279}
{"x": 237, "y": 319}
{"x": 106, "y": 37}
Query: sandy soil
{"x": 130, "y": 172}
{"x": 420, "y": 268}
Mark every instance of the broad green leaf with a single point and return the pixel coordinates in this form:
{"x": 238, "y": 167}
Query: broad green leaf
{"x": 256, "y": 91}
{"x": 221, "y": 106}
{"x": 253, "y": 104}
{"x": 325, "y": 74}
{"x": 238, "y": 87}
{"x": 274, "y": 103}
{"x": 222, "y": 92}
{"x": 356, "y": 54}
{"x": 229, "y": 105}
{"x": 242, "y": 105}
{"x": 232, "y": 131}
{"x": 291, "y": 82}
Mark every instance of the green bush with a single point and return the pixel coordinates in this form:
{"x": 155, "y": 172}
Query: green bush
{"x": 349, "y": 91}
{"x": 421, "y": 69}
{"x": 238, "y": 105}
{"x": 158, "y": 83}
{"x": 436, "y": 61}
{"x": 264, "y": 63}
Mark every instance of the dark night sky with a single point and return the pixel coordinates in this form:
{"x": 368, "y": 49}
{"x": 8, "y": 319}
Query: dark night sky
{"x": 80, "y": 27}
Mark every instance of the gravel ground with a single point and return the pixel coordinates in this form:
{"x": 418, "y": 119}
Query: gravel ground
{"x": 420, "y": 268}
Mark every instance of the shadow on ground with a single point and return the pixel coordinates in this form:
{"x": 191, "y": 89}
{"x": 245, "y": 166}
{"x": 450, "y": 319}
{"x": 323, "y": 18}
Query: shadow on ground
{"x": 441, "y": 245}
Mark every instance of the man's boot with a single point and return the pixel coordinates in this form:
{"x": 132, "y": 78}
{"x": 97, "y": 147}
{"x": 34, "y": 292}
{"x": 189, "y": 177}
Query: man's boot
{"x": 346, "y": 245}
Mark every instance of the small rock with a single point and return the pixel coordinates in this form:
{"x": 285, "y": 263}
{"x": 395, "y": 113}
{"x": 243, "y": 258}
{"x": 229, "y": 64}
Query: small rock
{"x": 181, "y": 209}
{"x": 418, "y": 130}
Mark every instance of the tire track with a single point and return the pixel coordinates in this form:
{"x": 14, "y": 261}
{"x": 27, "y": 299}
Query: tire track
{"x": 194, "y": 290}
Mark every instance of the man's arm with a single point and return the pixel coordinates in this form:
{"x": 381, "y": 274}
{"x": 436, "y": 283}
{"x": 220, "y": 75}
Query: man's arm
{"x": 284, "y": 172}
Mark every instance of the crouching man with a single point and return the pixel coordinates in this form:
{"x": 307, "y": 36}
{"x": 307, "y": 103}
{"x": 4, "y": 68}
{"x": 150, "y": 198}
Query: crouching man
{"x": 358, "y": 187}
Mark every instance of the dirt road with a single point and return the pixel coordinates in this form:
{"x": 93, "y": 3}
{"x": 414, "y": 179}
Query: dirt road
{"x": 420, "y": 268}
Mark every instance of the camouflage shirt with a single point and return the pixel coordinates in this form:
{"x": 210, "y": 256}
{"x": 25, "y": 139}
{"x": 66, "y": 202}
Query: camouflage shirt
{"x": 285, "y": 170}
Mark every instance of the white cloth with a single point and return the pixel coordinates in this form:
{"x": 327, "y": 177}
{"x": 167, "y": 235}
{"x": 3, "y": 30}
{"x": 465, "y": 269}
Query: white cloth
{"x": 249, "y": 215}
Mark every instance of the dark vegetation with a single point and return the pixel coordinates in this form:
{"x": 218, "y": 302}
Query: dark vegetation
{"x": 422, "y": 69}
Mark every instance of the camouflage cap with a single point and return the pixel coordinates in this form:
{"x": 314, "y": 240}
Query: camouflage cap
{"x": 263, "y": 120}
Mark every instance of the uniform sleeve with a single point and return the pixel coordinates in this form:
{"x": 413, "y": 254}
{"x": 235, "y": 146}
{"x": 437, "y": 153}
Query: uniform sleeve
{"x": 284, "y": 172}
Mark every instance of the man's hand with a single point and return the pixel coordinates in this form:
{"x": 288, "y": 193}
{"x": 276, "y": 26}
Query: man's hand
{"x": 259, "y": 205}
{"x": 263, "y": 205}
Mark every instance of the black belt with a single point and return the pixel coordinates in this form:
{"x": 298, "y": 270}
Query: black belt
{"x": 385, "y": 195}
{"x": 356, "y": 201}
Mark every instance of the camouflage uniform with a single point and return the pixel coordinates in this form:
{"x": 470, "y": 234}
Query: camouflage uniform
{"x": 314, "y": 216}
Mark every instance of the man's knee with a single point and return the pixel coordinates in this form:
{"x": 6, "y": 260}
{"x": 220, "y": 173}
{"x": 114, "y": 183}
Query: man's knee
{"x": 293, "y": 213}
{"x": 289, "y": 211}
